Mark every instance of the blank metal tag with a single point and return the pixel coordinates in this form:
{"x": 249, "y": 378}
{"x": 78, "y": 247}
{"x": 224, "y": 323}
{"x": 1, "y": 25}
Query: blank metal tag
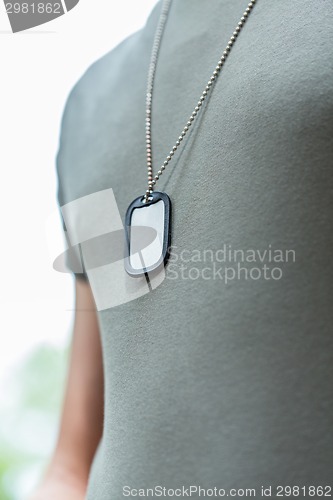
{"x": 148, "y": 234}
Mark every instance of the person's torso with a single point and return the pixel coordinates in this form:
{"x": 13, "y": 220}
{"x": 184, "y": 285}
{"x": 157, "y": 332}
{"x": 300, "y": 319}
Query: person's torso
{"x": 213, "y": 381}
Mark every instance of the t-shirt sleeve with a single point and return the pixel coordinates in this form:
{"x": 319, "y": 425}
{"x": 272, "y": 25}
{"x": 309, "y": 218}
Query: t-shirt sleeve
{"x": 72, "y": 260}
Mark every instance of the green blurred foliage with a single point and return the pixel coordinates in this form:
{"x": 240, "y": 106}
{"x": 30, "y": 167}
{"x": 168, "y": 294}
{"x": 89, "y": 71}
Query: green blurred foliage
{"x": 29, "y": 419}
{"x": 41, "y": 379}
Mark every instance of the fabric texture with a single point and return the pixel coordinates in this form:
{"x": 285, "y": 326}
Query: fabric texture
{"x": 209, "y": 383}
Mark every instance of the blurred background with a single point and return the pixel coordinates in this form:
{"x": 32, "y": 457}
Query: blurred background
{"x": 38, "y": 69}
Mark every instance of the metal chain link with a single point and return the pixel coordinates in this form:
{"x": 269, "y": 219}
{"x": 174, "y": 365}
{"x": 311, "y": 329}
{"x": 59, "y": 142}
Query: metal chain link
{"x": 150, "y": 87}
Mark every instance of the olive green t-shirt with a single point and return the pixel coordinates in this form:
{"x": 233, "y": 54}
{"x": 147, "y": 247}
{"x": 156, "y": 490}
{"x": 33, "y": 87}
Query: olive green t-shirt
{"x": 221, "y": 374}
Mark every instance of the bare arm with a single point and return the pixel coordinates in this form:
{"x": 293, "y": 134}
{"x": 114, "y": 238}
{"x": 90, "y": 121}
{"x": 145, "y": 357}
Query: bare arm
{"x": 82, "y": 416}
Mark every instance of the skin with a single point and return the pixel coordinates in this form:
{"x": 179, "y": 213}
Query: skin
{"x": 82, "y": 415}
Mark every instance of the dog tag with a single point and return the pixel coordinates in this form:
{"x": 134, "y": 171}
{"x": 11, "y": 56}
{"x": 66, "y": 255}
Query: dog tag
{"x": 148, "y": 234}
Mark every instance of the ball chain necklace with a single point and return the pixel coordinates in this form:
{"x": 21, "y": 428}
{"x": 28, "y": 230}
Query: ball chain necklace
{"x": 153, "y": 209}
